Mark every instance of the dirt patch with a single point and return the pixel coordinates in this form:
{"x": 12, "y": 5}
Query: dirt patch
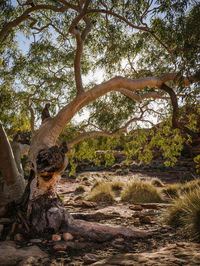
{"x": 162, "y": 246}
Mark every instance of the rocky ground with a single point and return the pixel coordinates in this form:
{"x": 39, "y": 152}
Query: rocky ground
{"x": 162, "y": 246}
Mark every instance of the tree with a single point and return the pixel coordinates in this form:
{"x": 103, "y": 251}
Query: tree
{"x": 70, "y": 40}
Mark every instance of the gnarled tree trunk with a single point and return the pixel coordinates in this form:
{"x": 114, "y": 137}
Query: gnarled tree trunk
{"x": 13, "y": 185}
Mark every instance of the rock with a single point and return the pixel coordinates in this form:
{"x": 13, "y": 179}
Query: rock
{"x": 3, "y": 211}
{"x": 119, "y": 240}
{"x": 90, "y": 258}
{"x": 136, "y": 222}
{"x": 1, "y": 229}
{"x": 11, "y": 255}
{"x": 87, "y": 204}
{"x": 68, "y": 237}
{"x": 136, "y": 208}
{"x": 136, "y": 214}
{"x": 155, "y": 205}
{"x": 5, "y": 221}
{"x": 36, "y": 240}
{"x": 145, "y": 219}
{"x": 56, "y": 237}
{"x": 58, "y": 247}
{"x": 28, "y": 261}
{"x": 18, "y": 237}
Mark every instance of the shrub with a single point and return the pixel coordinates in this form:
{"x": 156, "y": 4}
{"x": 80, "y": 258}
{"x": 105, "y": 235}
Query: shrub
{"x": 101, "y": 193}
{"x": 171, "y": 191}
{"x": 185, "y": 213}
{"x": 157, "y": 182}
{"x": 138, "y": 192}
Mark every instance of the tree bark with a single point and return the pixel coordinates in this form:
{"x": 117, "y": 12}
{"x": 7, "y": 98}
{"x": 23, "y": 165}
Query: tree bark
{"x": 13, "y": 182}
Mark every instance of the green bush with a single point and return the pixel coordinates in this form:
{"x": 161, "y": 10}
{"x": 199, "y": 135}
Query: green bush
{"x": 185, "y": 213}
{"x": 138, "y": 192}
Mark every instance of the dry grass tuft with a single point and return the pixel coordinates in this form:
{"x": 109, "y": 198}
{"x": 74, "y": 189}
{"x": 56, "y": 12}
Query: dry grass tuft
{"x": 189, "y": 186}
{"x": 140, "y": 192}
{"x": 117, "y": 185}
{"x": 157, "y": 182}
{"x": 171, "y": 191}
{"x": 101, "y": 193}
{"x": 185, "y": 213}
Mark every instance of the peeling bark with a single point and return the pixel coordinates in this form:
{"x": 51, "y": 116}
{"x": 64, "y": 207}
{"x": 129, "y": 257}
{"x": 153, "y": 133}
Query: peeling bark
{"x": 14, "y": 183}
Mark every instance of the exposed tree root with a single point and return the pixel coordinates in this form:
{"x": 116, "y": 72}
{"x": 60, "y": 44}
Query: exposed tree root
{"x": 48, "y": 216}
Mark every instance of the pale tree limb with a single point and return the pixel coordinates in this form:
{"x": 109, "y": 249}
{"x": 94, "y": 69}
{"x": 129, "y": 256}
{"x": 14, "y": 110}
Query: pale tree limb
{"x": 114, "y": 84}
{"x": 80, "y": 38}
{"x": 91, "y": 134}
{"x": 8, "y": 166}
{"x": 51, "y": 129}
{"x": 14, "y": 183}
{"x": 144, "y": 28}
{"x": 140, "y": 98}
{"x": 26, "y": 16}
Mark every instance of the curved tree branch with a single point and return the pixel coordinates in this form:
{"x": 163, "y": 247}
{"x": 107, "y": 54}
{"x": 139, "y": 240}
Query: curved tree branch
{"x": 80, "y": 38}
{"x": 26, "y": 15}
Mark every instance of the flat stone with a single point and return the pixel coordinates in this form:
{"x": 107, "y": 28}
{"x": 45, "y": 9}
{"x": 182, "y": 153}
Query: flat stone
{"x": 90, "y": 258}
{"x": 136, "y": 208}
{"x": 59, "y": 247}
{"x": 119, "y": 240}
{"x": 18, "y": 237}
{"x": 5, "y": 221}
{"x": 10, "y": 254}
{"x": 136, "y": 222}
{"x": 68, "y": 237}
{"x": 56, "y": 237}
{"x": 36, "y": 240}
{"x": 1, "y": 229}
{"x": 145, "y": 219}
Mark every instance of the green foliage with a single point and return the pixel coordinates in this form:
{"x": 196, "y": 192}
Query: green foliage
{"x": 44, "y": 72}
{"x": 197, "y": 161}
{"x": 140, "y": 192}
{"x": 185, "y": 213}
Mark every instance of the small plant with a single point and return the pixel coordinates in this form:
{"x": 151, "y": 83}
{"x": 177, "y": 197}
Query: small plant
{"x": 61, "y": 197}
{"x": 171, "y": 191}
{"x": 197, "y": 161}
{"x": 157, "y": 182}
{"x": 185, "y": 213}
{"x": 138, "y": 192}
{"x": 101, "y": 193}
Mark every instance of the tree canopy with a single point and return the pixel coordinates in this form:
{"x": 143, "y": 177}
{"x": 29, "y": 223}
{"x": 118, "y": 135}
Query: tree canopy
{"x": 71, "y": 46}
